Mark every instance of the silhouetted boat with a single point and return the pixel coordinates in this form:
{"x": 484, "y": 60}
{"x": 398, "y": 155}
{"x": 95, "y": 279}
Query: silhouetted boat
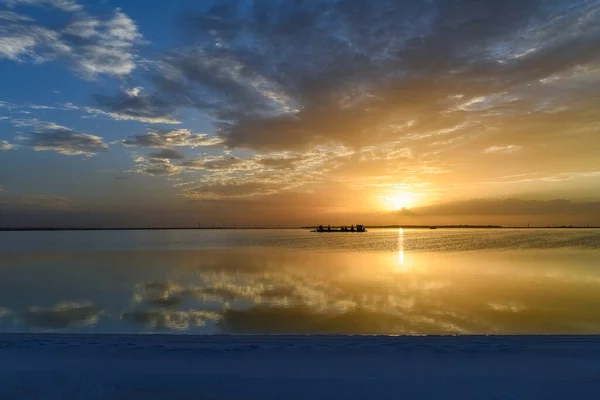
{"x": 328, "y": 229}
{"x": 433, "y": 227}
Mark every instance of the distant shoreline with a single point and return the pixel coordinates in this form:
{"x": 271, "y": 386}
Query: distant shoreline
{"x": 26, "y": 229}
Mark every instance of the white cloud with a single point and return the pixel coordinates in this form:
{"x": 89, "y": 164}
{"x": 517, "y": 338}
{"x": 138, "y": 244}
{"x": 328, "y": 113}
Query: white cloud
{"x": 65, "y": 5}
{"x": 92, "y": 46}
{"x": 134, "y": 92}
{"x": 13, "y": 17}
{"x": 94, "y": 112}
{"x": 13, "y": 106}
{"x": 502, "y": 149}
{"x": 539, "y": 177}
{"x": 21, "y": 41}
{"x": 83, "y": 28}
{"x": 228, "y": 176}
{"x": 155, "y": 166}
{"x": 24, "y": 122}
{"x": 106, "y": 46}
{"x": 4, "y": 145}
{"x": 223, "y": 163}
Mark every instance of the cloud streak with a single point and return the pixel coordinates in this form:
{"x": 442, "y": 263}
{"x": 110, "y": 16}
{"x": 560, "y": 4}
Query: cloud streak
{"x": 53, "y": 137}
{"x": 135, "y": 106}
{"x": 502, "y": 149}
{"x": 63, "y": 315}
{"x": 171, "y": 138}
{"x": 65, "y": 5}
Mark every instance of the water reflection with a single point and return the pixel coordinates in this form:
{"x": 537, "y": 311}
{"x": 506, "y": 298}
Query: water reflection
{"x": 419, "y": 240}
{"x": 267, "y": 291}
{"x": 401, "y": 248}
{"x": 63, "y": 315}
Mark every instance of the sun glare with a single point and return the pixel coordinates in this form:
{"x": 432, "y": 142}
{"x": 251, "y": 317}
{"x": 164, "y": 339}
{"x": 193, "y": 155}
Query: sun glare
{"x": 399, "y": 201}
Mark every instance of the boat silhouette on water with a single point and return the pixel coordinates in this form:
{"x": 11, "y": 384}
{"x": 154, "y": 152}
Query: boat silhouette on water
{"x": 352, "y": 228}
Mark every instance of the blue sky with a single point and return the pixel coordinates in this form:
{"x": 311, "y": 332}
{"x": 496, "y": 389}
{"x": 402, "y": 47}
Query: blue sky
{"x": 279, "y": 112}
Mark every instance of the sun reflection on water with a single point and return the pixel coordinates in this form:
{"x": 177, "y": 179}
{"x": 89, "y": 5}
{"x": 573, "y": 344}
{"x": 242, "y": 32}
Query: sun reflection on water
{"x": 402, "y": 267}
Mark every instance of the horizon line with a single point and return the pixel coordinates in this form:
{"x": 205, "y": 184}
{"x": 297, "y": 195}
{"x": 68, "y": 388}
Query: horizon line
{"x": 450, "y": 226}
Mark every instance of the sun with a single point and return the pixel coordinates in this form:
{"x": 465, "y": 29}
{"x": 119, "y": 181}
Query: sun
{"x": 398, "y": 201}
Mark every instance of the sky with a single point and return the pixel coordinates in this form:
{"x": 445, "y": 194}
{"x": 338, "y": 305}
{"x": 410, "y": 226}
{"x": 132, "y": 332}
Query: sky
{"x": 290, "y": 113}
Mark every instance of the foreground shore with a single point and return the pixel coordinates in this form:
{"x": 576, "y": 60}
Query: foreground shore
{"x": 292, "y": 367}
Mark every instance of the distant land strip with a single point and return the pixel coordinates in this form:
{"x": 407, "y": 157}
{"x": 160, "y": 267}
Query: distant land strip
{"x": 46, "y": 228}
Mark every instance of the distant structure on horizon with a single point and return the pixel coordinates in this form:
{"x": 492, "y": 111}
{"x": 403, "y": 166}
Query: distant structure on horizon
{"x": 359, "y": 228}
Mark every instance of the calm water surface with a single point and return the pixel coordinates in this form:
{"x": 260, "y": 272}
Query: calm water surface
{"x": 391, "y": 281}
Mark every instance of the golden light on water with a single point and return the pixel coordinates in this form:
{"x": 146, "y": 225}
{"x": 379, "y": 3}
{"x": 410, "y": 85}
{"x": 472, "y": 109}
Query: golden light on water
{"x": 401, "y": 266}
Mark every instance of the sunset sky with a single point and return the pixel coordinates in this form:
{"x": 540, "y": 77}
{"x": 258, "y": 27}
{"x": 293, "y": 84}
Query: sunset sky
{"x": 290, "y": 113}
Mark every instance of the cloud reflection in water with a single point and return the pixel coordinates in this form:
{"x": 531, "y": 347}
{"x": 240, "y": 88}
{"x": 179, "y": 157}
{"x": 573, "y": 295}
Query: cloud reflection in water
{"x": 63, "y": 315}
{"x": 287, "y": 291}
